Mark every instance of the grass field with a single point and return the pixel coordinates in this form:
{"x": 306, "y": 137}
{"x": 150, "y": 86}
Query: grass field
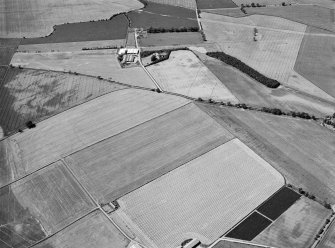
{"x": 94, "y": 230}
{"x": 250, "y": 227}
{"x": 286, "y": 143}
{"x": 310, "y": 15}
{"x": 96, "y": 63}
{"x": 72, "y": 130}
{"x": 316, "y": 59}
{"x": 171, "y": 39}
{"x": 113, "y": 29}
{"x": 329, "y": 240}
{"x": 44, "y": 94}
{"x": 41, "y": 204}
{"x": 215, "y": 4}
{"x": 249, "y": 91}
{"x": 297, "y": 227}
{"x": 203, "y": 198}
{"x": 41, "y": 15}
{"x": 158, "y": 149}
{"x": 189, "y": 4}
{"x": 184, "y": 73}
{"x": 162, "y": 16}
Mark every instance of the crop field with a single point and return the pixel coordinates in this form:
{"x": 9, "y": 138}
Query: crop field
{"x": 41, "y": 204}
{"x": 250, "y": 227}
{"x": 171, "y": 39}
{"x": 95, "y": 63}
{"x": 189, "y": 4}
{"x": 70, "y": 46}
{"x": 324, "y": 3}
{"x": 158, "y": 149}
{"x": 249, "y": 91}
{"x": 94, "y": 230}
{"x": 41, "y": 15}
{"x": 184, "y": 73}
{"x": 266, "y": 2}
{"x": 316, "y": 59}
{"x": 162, "y": 16}
{"x": 72, "y": 130}
{"x": 44, "y": 94}
{"x": 297, "y": 227}
{"x": 314, "y": 16}
{"x": 215, "y": 4}
{"x": 286, "y": 143}
{"x": 203, "y": 198}
{"x": 329, "y": 240}
{"x": 278, "y": 203}
{"x": 7, "y": 50}
{"x": 226, "y": 12}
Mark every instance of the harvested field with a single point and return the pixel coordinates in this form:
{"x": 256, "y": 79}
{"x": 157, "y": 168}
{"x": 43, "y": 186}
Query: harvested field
{"x": 215, "y": 4}
{"x": 286, "y": 143}
{"x": 70, "y": 46}
{"x": 297, "y": 227}
{"x": 94, "y": 230}
{"x": 250, "y": 227}
{"x": 183, "y": 73}
{"x": 278, "y": 203}
{"x": 316, "y": 59}
{"x": 310, "y": 15}
{"x": 162, "y": 16}
{"x": 158, "y": 149}
{"x": 251, "y": 92}
{"x": 189, "y": 4}
{"x": 72, "y": 130}
{"x": 102, "y": 63}
{"x": 171, "y": 39}
{"x": 41, "y": 15}
{"x": 329, "y": 240}
{"x": 40, "y": 205}
{"x": 44, "y": 94}
{"x": 203, "y": 198}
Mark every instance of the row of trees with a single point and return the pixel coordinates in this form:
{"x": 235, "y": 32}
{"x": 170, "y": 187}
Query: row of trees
{"x": 269, "y": 82}
{"x": 172, "y": 30}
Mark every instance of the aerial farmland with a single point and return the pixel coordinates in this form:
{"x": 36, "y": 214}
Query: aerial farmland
{"x": 167, "y": 124}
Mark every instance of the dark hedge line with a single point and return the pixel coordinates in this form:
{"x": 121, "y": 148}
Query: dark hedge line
{"x": 172, "y": 30}
{"x": 269, "y": 82}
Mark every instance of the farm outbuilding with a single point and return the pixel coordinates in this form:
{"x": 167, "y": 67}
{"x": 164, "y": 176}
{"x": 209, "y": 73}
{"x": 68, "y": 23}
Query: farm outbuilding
{"x": 123, "y": 51}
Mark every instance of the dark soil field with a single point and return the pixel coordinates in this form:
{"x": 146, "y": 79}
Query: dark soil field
{"x": 215, "y": 4}
{"x": 249, "y": 228}
{"x": 171, "y": 39}
{"x": 310, "y": 15}
{"x": 7, "y": 50}
{"x": 113, "y": 29}
{"x": 279, "y": 203}
{"x": 316, "y": 59}
{"x": 162, "y": 16}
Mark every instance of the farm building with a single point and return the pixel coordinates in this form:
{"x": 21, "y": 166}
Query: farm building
{"x": 124, "y": 51}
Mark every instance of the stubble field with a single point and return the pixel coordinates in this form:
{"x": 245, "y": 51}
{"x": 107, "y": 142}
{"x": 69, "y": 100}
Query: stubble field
{"x": 118, "y": 165}
{"x": 95, "y": 63}
{"x": 203, "y": 198}
{"x": 185, "y": 74}
{"x": 41, "y": 15}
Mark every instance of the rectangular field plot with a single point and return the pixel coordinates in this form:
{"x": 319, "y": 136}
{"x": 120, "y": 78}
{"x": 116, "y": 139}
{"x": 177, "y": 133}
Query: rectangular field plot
{"x": 250, "y": 227}
{"x": 94, "y": 230}
{"x": 278, "y": 203}
{"x": 44, "y": 94}
{"x": 40, "y": 205}
{"x": 202, "y": 199}
{"x": 189, "y": 4}
{"x": 215, "y": 4}
{"x": 185, "y": 74}
{"x": 297, "y": 227}
{"x": 102, "y": 63}
{"x": 85, "y": 125}
{"x": 123, "y": 163}
{"x": 171, "y": 39}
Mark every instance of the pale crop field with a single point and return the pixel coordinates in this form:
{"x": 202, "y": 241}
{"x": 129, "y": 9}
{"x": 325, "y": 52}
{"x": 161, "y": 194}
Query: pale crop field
{"x": 86, "y": 124}
{"x": 95, "y": 63}
{"x": 122, "y": 163}
{"x": 36, "y": 18}
{"x": 185, "y": 74}
{"x": 94, "y": 230}
{"x": 189, "y": 4}
{"x": 52, "y": 196}
{"x": 203, "y": 198}
{"x": 297, "y": 227}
